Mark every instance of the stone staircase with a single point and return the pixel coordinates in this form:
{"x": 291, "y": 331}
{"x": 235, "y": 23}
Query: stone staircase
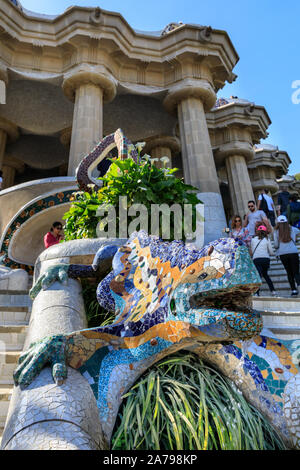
{"x": 15, "y": 310}
{"x": 279, "y": 277}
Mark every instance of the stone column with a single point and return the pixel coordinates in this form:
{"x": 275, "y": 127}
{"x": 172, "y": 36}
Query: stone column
{"x": 9, "y": 173}
{"x": 9, "y": 168}
{"x": 3, "y": 138}
{"x": 88, "y": 88}
{"x": 3, "y": 84}
{"x": 239, "y": 184}
{"x": 8, "y": 131}
{"x": 162, "y": 146}
{"x": 192, "y": 98}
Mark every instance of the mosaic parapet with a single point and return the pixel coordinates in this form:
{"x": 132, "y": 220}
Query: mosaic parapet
{"x": 167, "y": 297}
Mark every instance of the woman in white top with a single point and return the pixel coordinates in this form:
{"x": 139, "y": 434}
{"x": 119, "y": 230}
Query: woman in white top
{"x": 285, "y": 242}
{"x": 261, "y": 250}
{"x": 268, "y": 206}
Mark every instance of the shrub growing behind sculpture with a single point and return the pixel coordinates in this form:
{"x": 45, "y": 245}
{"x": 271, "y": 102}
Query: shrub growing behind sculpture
{"x": 141, "y": 182}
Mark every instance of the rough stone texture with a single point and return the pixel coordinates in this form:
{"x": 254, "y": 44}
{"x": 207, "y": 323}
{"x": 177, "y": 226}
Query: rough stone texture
{"x": 47, "y": 416}
{"x": 214, "y": 217}
{"x": 239, "y": 184}
{"x": 198, "y": 162}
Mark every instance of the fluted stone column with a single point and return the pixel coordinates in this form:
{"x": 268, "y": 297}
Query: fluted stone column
{"x": 8, "y": 131}
{"x": 191, "y": 99}
{"x": 9, "y": 168}
{"x": 88, "y": 88}
{"x": 3, "y": 138}
{"x": 9, "y": 174}
{"x": 163, "y": 146}
{"x": 3, "y": 83}
{"x": 239, "y": 183}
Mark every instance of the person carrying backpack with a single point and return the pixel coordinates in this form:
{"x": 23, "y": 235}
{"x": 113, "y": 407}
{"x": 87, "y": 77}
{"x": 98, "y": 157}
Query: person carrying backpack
{"x": 293, "y": 212}
{"x": 266, "y": 204}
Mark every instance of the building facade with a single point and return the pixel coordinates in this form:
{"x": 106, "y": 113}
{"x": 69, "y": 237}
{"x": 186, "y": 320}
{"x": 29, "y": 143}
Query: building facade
{"x": 68, "y": 80}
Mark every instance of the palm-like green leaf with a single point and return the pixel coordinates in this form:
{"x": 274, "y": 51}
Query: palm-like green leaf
{"x": 182, "y": 403}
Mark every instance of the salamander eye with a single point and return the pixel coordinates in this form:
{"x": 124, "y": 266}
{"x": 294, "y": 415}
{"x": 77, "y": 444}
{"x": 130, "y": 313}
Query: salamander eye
{"x": 202, "y": 276}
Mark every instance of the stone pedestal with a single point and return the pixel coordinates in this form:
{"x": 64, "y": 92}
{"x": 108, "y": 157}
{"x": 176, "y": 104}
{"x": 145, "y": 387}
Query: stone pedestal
{"x": 88, "y": 88}
{"x": 239, "y": 184}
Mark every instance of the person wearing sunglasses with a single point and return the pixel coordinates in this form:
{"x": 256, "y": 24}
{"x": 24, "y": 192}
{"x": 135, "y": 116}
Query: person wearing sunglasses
{"x": 54, "y": 235}
{"x": 238, "y": 231}
{"x": 254, "y": 215}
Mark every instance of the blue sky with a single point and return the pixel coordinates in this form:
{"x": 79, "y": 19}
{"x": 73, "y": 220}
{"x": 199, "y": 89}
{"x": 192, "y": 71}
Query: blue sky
{"x": 265, "y": 34}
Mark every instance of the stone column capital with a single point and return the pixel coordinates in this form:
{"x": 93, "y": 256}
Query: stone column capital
{"x": 168, "y": 141}
{"x": 85, "y": 75}
{"x": 10, "y": 128}
{"x": 234, "y": 148}
{"x": 14, "y": 163}
{"x": 190, "y": 88}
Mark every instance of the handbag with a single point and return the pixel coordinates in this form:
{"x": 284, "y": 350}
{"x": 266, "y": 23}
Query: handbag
{"x": 257, "y": 246}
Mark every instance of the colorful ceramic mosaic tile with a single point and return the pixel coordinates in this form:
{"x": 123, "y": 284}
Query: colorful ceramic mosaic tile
{"x": 30, "y": 211}
{"x": 150, "y": 289}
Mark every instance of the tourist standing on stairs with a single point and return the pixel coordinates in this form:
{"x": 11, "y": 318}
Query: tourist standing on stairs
{"x": 293, "y": 211}
{"x": 285, "y": 243}
{"x": 283, "y": 201}
{"x": 261, "y": 250}
{"x": 238, "y": 231}
{"x": 266, "y": 204}
{"x": 255, "y": 216}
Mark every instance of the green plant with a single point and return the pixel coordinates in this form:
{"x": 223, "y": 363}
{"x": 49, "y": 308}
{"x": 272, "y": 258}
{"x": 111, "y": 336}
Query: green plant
{"x": 183, "y": 404}
{"x": 141, "y": 182}
{"x": 95, "y": 314}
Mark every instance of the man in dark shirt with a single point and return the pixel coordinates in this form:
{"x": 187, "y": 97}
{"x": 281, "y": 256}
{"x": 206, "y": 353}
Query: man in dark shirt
{"x": 283, "y": 201}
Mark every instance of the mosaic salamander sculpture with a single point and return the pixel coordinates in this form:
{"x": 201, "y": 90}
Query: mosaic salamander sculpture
{"x": 165, "y": 297}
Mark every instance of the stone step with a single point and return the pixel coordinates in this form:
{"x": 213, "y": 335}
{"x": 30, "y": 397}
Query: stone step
{"x": 16, "y": 315}
{"x": 9, "y": 357}
{"x": 14, "y": 299}
{"x": 278, "y": 284}
{"x": 276, "y": 304}
{"x": 8, "y": 364}
{"x": 284, "y": 293}
{"x": 13, "y": 336}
